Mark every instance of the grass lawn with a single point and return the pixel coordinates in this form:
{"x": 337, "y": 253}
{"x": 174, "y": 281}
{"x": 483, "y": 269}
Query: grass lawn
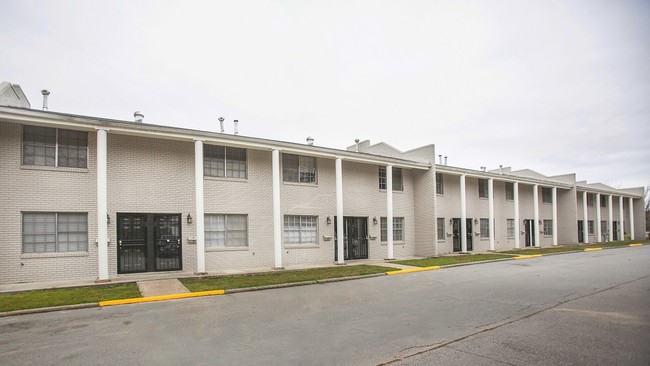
{"x": 569, "y": 248}
{"x": 443, "y": 261}
{"x": 280, "y": 277}
{"x": 66, "y": 296}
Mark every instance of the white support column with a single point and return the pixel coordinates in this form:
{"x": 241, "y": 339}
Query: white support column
{"x": 610, "y": 218}
{"x": 554, "y": 215}
{"x": 102, "y": 206}
{"x": 491, "y": 211}
{"x": 199, "y": 221}
{"x": 631, "y": 208}
{"x": 621, "y": 218}
{"x": 277, "y": 217}
{"x": 339, "y": 211}
{"x": 389, "y": 211}
{"x": 463, "y": 216}
{"x": 536, "y": 214}
{"x": 585, "y": 219}
{"x": 599, "y": 233}
{"x": 516, "y": 202}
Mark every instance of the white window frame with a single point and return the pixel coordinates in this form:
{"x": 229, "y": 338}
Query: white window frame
{"x": 398, "y": 179}
{"x": 304, "y": 176}
{"x": 484, "y": 225}
{"x": 547, "y": 195}
{"x": 226, "y": 243}
{"x": 398, "y": 229}
{"x": 207, "y": 149}
{"x": 441, "y": 229}
{"x": 510, "y": 191}
{"x": 510, "y": 228}
{"x": 304, "y": 232}
{"x": 57, "y": 145}
{"x": 548, "y": 227}
{"x": 482, "y": 188}
{"x": 56, "y": 233}
{"x": 440, "y": 184}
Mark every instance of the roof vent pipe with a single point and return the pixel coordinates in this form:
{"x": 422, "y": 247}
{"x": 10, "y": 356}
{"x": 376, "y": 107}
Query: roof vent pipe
{"x": 445, "y": 160}
{"x": 500, "y": 169}
{"x": 482, "y": 168}
{"x": 440, "y": 159}
{"x": 45, "y": 93}
{"x": 236, "y": 127}
{"x": 221, "y": 119}
{"x": 356, "y": 142}
{"x": 310, "y": 141}
{"x": 138, "y": 116}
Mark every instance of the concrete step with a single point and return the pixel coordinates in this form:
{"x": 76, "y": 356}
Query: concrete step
{"x": 161, "y": 287}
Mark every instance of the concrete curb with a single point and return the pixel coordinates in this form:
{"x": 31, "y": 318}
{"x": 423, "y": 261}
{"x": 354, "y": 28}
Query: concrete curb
{"x": 411, "y": 270}
{"x": 137, "y": 300}
{"x": 50, "y": 309}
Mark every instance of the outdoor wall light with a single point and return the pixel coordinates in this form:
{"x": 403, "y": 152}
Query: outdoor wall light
{"x": 189, "y": 218}
{"x": 108, "y": 218}
{"x": 329, "y": 220}
{"x": 451, "y": 222}
{"x": 374, "y": 220}
{"x": 476, "y": 221}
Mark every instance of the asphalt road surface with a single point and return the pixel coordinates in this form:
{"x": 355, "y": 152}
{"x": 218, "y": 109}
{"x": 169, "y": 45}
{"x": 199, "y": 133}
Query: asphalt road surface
{"x": 574, "y": 309}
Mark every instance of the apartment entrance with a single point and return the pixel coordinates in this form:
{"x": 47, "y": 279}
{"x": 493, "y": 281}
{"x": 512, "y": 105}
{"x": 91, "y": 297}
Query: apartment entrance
{"x": 457, "y": 233}
{"x": 148, "y": 242}
{"x": 581, "y": 231}
{"x": 529, "y": 232}
{"x": 615, "y": 230}
{"x": 355, "y": 238}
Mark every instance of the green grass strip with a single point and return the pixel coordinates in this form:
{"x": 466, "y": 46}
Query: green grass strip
{"x": 570, "y": 248}
{"x": 455, "y": 259}
{"x": 279, "y": 277}
{"x": 66, "y": 296}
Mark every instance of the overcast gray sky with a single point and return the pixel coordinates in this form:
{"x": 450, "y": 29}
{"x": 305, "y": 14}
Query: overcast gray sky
{"x": 554, "y": 86}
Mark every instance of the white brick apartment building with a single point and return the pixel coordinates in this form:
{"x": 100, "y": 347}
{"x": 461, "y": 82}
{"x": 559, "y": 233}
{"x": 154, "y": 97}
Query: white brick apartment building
{"x": 92, "y": 198}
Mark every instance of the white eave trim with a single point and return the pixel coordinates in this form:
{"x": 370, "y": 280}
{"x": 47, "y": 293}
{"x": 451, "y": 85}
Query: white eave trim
{"x": 502, "y": 177}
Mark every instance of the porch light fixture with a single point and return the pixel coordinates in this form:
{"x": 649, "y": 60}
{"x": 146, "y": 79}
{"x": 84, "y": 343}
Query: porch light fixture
{"x": 189, "y": 218}
{"x": 476, "y": 221}
{"x": 329, "y": 220}
{"x": 451, "y": 222}
{"x": 374, "y": 220}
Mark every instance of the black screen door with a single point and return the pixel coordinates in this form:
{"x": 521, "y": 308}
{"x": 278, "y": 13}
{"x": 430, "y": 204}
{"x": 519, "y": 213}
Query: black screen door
{"x": 148, "y": 242}
{"x": 355, "y": 238}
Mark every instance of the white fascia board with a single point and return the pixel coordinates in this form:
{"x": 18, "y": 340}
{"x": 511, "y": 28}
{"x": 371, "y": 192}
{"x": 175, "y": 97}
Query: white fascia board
{"x": 501, "y": 177}
{"x": 52, "y": 119}
{"x": 581, "y": 188}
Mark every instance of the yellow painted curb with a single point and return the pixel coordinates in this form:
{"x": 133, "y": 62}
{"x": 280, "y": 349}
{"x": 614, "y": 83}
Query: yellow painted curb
{"x": 160, "y": 298}
{"x": 410, "y": 270}
{"x": 527, "y": 256}
{"x": 636, "y": 245}
{"x": 592, "y": 249}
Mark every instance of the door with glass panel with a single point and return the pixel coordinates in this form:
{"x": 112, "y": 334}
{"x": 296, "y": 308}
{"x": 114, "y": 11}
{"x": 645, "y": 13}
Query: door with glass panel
{"x": 355, "y": 238}
{"x": 148, "y": 242}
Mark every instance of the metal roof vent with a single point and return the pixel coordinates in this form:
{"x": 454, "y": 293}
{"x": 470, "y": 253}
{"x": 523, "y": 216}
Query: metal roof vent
{"x": 138, "y": 116}
{"x": 45, "y": 93}
{"x": 236, "y": 127}
{"x": 310, "y": 141}
{"x": 356, "y": 142}
{"x": 221, "y": 119}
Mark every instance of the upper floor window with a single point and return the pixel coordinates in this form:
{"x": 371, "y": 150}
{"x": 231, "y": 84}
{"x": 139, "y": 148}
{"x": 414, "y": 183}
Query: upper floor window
{"x": 398, "y": 229}
{"x": 226, "y": 231}
{"x": 51, "y": 232}
{"x": 299, "y": 169}
{"x": 47, "y": 146}
{"x": 510, "y": 191}
{"x": 398, "y": 183}
{"x": 591, "y": 199}
{"x": 224, "y": 161}
{"x": 440, "y": 188}
{"x": 482, "y": 188}
{"x": 603, "y": 200}
{"x": 547, "y": 195}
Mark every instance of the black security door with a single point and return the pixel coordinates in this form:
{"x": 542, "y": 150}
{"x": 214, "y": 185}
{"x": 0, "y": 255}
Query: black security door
{"x": 457, "y": 233}
{"x": 148, "y": 242}
{"x": 615, "y": 230}
{"x": 529, "y": 228}
{"x": 581, "y": 232}
{"x": 355, "y": 238}
{"x": 470, "y": 236}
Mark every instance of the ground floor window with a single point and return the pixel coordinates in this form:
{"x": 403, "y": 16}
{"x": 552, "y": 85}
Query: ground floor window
{"x": 441, "y": 228}
{"x": 398, "y": 229}
{"x": 510, "y": 227}
{"x": 590, "y": 226}
{"x": 226, "y": 231}
{"x": 300, "y": 229}
{"x": 485, "y": 228}
{"x": 548, "y": 227}
{"x": 51, "y": 232}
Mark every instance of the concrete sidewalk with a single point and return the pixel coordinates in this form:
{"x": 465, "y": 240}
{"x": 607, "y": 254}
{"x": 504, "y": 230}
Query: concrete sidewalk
{"x": 161, "y": 287}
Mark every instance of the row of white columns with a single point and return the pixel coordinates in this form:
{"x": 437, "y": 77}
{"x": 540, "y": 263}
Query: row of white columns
{"x": 610, "y": 224}
{"x": 463, "y": 214}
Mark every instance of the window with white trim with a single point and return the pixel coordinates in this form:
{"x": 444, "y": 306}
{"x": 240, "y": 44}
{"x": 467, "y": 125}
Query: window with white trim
{"x": 482, "y": 188}
{"x": 590, "y": 226}
{"x": 603, "y": 201}
{"x": 52, "y": 232}
{"x": 591, "y": 199}
{"x": 298, "y": 168}
{"x": 226, "y": 230}
{"x": 300, "y": 229}
{"x": 45, "y": 146}
{"x": 398, "y": 183}
{"x": 441, "y": 228}
{"x": 548, "y": 227}
{"x": 510, "y": 191}
{"x": 510, "y": 228}
{"x": 547, "y": 195}
{"x": 440, "y": 188}
{"x": 224, "y": 161}
{"x": 485, "y": 228}
{"x": 398, "y": 229}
